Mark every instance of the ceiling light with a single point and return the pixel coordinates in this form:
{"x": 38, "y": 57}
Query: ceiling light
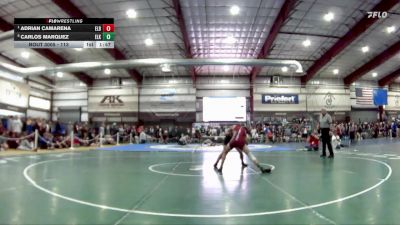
{"x": 230, "y": 40}
{"x": 365, "y": 49}
{"x": 336, "y": 71}
{"x": 284, "y": 69}
{"x": 131, "y": 13}
{"x": 225, "y": 68}
{"x": 235, "y": 10}
{"x": 60, "y": 74}
{"x": 390, "y": 29}
{"x": 82, "y": 84}
{"x": 374, "y": 74}
{"x": 148, "y": 42}
{"x": 78, "y": 49}
{"x": 25, "y": 54}
{"x": 107, "y": 71}
{"x": 165, "y": 68}
{"x": 307, "y": 43}
{"x": 329, "y": 16}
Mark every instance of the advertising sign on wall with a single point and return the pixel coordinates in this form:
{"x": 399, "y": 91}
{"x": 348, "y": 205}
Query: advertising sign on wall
{"x": 113, "y": 100}
{"x": 280, "y": 99}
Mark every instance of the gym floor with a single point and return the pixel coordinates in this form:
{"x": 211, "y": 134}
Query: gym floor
{"x": 154, "y": 184}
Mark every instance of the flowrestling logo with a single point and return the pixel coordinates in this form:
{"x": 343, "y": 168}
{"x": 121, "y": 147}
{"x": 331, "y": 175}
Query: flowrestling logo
{"x": 377, "y": 14}
{"x": 280, "y": 99}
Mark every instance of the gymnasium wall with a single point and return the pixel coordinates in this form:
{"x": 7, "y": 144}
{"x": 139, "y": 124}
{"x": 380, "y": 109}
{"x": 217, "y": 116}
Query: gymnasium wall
{"x": 165, "y": 100}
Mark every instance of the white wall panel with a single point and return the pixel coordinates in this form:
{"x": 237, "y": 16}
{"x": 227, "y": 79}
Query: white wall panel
{"x": 38, "y": 114}
{"x": 76, "y": 103}
{"x": 114, "y": 91}
{"x": 40, "y": 93}
{"x": 37, "y": 85}
{"x": 70, "y": 95}
{"x": 164, "y": 90}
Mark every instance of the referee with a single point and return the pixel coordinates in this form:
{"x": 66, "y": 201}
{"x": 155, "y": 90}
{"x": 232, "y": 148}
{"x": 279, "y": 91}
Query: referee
{"x": 325, "y": 121}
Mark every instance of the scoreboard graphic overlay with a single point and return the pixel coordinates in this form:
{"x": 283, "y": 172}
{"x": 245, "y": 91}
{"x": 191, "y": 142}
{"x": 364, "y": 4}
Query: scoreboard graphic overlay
{"x": 64, "y": 33}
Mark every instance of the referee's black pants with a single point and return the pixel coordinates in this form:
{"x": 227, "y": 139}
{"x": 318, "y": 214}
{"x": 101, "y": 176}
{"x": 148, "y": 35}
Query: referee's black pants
{"x": 326, "y": 140}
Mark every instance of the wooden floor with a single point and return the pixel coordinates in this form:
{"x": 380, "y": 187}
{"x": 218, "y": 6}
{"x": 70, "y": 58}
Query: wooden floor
{"x": 360, "y": 186}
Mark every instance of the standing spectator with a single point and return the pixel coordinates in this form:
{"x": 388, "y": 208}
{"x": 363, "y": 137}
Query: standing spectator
{"x": 359, "y": 132}
{"x": 304, "y": 135}
{"x": 325, "y": 121}
{"x": 57, "y": 130}
{"x": 9, "y": 123}
{"x": 352, "y": 132}
{"x": 16, "y": 126}
{"x": 165, "y": 136}
{"x": 394, "y": 129}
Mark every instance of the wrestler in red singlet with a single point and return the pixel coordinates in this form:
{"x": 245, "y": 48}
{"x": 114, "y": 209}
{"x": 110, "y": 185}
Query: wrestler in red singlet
{"x": 239, "y": 138}
{"x": 238, "y": 141}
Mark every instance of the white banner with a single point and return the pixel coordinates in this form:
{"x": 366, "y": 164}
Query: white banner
{"x": 14, "y": 93}
{"x": 393, "y": 101}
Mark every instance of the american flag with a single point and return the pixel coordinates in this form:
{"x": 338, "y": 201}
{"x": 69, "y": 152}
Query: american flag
{"x": 364, "y": 96}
